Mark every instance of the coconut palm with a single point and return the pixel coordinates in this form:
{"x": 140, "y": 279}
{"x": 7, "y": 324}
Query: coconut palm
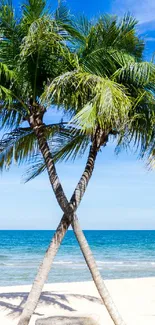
{"x": 91, "y": 93}
{"x": 25, "y": 70}
{"x": 90, "y": 88}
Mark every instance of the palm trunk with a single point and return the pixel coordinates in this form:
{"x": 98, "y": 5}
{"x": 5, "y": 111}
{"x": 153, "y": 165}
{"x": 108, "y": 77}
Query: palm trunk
{"x": 65, "y": 222}
{"x": 100, "y": 285}
{"x": 85, "y": 178}
{"x": 52, "y": 173}
{"x": 69, "y": 209}
{"x": 43, "y": 271}
{"x": 76, "y": 199}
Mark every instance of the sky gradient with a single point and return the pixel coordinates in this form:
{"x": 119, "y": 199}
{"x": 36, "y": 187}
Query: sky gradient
{"x": 122, "y": 190}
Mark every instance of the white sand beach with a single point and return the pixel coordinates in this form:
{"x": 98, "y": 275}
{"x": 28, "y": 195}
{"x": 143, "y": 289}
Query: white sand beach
{"x": 135, "y": 299}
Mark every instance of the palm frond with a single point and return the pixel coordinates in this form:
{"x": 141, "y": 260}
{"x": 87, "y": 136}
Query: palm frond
{"x": 65, "y": 22}
{"x": 6, "y": 94}
{"x": 138, "y": 74}
{"x": 128, "y": 37}
{"x": 127, "y": 23}
{"x": 11, "y": 118}
{"x": 34, "y": 170}
{"x": 40, "y": 33}
{"x": 62, "y": 14}
{"x": 69, "y": 143}
{"x": 10, "y": 34}
{"x": 17, "y": 147}
{"x": 20, "y": 145}
{"x": 139, "y": 133}
{"x": 99, "y": 62}
{"x": 83, "y": 25}
{"x": 109, "y": 108}
{"x": 74, "y": 146}
{"x": 43, "y": 55}
{"x": 121, "y": 57}
{"x": 6, "y": 73}
{"x": 99, "y": 100}
{"x": 31, "y": 11}
{"x": 13, "y": 110}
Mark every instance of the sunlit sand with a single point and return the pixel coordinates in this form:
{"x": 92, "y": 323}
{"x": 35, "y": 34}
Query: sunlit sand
{"x": 135, "y": 300}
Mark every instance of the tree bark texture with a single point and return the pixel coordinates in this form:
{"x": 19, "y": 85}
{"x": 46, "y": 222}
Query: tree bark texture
{"x": 100, "y": 285}
{"x": 69, "y": 208}
{"x": 43, "y": 271}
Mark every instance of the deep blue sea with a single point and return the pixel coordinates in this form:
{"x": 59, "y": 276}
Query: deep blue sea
{"x": 119, "y": 254}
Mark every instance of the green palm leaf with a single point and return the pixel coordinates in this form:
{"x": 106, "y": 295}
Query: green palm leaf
{"x": 103, "y": 101}
{"x": 135, "y": 73}
{"x": 31, "y": 11}
{"x": 17, "y": 147}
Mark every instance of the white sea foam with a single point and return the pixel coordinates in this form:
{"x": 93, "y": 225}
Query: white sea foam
{"x": 109, "y": 262}
{"x": 63, "y": 262}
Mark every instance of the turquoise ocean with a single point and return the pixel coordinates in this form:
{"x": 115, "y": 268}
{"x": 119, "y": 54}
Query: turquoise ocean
{"x": 119, "y": 254}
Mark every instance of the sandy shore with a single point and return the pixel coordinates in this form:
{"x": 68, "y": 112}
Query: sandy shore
{"x": 135, "y": 299}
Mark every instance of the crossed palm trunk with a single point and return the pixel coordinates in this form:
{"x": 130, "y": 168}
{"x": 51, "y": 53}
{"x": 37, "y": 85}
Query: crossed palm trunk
{"x": 69, "y": 218}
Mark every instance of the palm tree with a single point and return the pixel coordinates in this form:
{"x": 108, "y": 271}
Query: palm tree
{"x": 24, "y": 71}
{"x": 99, "y": 117}
{"x": 29, "y": 66}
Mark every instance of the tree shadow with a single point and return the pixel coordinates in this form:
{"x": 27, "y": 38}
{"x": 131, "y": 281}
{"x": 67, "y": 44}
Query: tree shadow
{"x": 13, "y": 309}
{"x": 47, "y": 298}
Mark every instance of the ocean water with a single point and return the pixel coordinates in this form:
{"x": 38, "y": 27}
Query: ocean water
{"x": 119, "y": 254}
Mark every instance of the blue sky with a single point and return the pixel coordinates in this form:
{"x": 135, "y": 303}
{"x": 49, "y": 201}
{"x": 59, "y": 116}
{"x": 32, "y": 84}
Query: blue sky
{"x": 122, "y": 190}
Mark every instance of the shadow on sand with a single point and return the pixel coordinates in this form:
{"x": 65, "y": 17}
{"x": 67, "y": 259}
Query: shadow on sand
{"x": 47, "y": 298}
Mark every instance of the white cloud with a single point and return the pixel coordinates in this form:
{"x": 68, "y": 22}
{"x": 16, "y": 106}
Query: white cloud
{"x": 144, "y": 10}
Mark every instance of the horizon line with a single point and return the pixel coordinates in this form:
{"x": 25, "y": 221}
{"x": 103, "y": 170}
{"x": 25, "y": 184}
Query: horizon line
{"x": 82, "y": 229}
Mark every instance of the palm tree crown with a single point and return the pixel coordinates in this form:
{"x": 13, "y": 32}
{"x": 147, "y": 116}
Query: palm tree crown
{"x": 93, "y": 71}
{"x": 111, "y": 90}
